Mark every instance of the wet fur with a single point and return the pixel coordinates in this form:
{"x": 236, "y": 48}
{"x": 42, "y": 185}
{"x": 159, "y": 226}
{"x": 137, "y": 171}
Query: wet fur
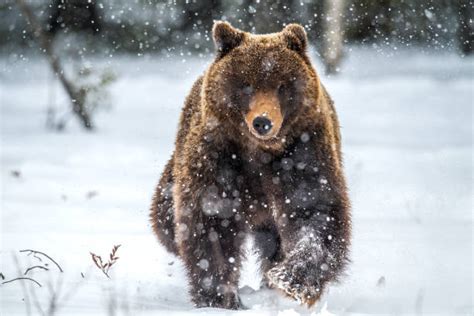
{"x": 222, "y": 184}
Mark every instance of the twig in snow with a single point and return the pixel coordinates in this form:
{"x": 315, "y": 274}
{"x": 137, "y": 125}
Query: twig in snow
{"x": 35, "y": 252}
{"x": 23, "y": 278}
{"x": 105, "y": 267}
{"x": 35, "y": 267}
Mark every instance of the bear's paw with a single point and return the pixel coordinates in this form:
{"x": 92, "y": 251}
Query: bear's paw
{"x": 280, "y": 278}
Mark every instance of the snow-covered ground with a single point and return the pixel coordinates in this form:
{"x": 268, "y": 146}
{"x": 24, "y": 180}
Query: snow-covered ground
{"x": 406, "y": 120}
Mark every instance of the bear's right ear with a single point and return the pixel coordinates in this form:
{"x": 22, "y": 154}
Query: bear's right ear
{"x": 295, "y": 37}
{"x": 226, "y": 37}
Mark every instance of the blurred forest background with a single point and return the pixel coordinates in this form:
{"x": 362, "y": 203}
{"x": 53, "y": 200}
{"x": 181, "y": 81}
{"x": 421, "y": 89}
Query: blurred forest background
{"x": 142, "y": 26}
{"x": 75, "y": 28}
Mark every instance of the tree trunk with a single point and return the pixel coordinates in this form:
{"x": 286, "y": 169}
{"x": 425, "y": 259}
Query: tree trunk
{"x": 77, "y": 96}
{"x": 465, "y": 28}
{"x": 333, "y": 36}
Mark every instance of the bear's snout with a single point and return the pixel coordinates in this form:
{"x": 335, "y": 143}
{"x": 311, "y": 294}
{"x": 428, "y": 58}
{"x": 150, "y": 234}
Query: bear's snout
{"x": 262, "y": 125}
{"x": 264, "y": 117}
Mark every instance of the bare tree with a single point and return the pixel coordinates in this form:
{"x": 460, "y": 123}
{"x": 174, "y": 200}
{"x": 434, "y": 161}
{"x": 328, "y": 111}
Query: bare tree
{"x": 77, "y": 96}
{"x": 333, "y": 36}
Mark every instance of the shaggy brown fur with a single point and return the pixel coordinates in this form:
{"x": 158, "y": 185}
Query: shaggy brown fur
{"x": 229, "y": 177}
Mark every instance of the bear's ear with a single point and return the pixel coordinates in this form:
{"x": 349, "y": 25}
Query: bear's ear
{"x": 226, "y": 37}
{"x": 295, "y": 37}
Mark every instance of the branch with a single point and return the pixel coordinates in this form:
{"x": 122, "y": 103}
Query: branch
{"x": 34, "y": 252}
{"x": 23, "y": 278}
{"x": 105, "y": 267}
{"x": 35, "y": 267}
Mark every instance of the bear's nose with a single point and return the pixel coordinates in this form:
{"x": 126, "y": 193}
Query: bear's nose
{"x": 262, "y": 125}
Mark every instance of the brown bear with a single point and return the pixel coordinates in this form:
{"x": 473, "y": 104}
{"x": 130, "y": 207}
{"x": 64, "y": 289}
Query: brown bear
{"x": 258, "y": 152}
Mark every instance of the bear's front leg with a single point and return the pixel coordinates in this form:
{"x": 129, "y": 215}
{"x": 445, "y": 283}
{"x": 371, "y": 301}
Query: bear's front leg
{"x": 209, "y": 230}
{"x": 314, "y": 227}
{"x": 313, "y": 220}
{"x": 211, "y": 253}
{"x": 315, "y": 246}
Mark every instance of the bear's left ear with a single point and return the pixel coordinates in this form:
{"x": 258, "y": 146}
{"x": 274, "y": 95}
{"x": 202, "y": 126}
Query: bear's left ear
{"x": 295, "y": 37}
{"x": 226, "y": 37}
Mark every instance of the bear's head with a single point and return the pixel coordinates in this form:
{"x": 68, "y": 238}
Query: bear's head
{"x": 260, "y": 84}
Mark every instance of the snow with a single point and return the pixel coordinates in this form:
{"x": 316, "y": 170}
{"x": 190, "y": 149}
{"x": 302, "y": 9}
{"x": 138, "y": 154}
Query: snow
{"x": 406, "y": 120}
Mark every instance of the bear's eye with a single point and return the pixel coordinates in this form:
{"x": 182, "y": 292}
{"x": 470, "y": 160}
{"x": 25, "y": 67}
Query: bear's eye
{"x": 247, "y": 90}
{"x": 241, "y": 96}
{"x": 286, "y": 91}
{"x": 281, "y": 89}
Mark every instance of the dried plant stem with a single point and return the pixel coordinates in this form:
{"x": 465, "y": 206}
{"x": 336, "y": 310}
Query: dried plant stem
{"x": 35, "y": 267}
{"x": 105, "y": 267}
{"x": 35, "y": 252}
{"x": 23, "y": 278}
